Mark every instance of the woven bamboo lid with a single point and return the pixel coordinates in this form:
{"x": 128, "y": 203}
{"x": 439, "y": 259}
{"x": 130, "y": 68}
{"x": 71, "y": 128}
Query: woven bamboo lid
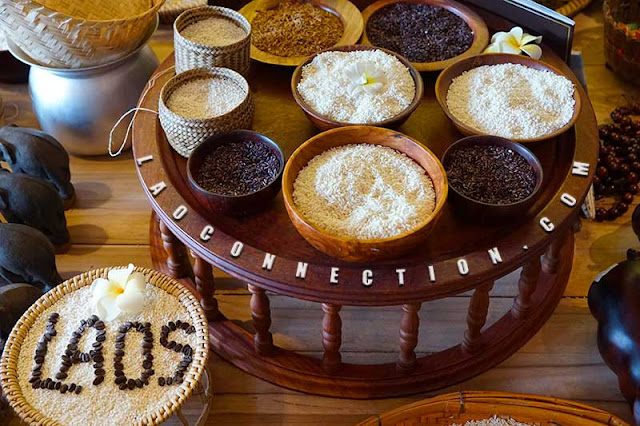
{"x": 10, "y": 357}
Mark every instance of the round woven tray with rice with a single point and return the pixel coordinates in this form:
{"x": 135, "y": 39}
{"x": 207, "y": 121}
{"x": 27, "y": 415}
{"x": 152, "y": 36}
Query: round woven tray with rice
{"x": 10, "y": 358}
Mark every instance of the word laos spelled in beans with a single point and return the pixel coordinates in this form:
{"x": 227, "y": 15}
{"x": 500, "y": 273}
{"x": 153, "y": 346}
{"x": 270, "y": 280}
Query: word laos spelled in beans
{"x": 73, "y": 355}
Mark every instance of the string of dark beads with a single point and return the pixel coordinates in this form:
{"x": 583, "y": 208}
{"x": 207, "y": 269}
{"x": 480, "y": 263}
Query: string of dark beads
{"x": 618, "y": 162}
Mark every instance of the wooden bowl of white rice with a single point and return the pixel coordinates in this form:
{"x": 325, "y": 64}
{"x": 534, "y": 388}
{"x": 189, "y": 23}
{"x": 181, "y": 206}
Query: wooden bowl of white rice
{"x": 511, "y": 96}
{"x": 324, "y": 87}
{"x": 364, "y": 193}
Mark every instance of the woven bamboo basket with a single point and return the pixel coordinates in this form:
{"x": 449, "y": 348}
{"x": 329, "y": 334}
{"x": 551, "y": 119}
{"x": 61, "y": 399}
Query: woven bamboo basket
{"x": 458, "y": 408}
{"x": 171, "y": 9}
{"x": 185, "y": 134}
{"x": 8, "y": 363}
{"x": 573, "y": 7}
{"x": 190, "y": 55}
{"x": 77, "y": 33}
{"x": 622, "y": 46}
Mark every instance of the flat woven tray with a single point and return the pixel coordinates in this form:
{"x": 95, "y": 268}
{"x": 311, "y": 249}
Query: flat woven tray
{"x": 8, "y": 363}
{"x": 462, "y": 407}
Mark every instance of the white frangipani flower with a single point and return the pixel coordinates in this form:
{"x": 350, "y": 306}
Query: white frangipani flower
{"x": 365, "y": 78}
{"x": 515, "y": 41}
{"x": 122, "y": 291}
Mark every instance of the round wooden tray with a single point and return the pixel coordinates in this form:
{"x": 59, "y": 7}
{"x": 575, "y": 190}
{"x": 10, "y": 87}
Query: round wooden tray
{"x": 266, "y": 252}
{"x": 462, "y": 407}
{"x": 475, "y": 22}
{"x": 348, "y": 13}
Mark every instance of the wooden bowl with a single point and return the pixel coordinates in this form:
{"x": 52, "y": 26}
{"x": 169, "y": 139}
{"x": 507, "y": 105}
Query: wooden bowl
{"x": 343, "y": 9}
{"x": 485, "y": 212}
{"x": 239, "y": 205}
{"x": 323, "y": 122}
{"x": 351, "y": 249}
{"x": 475, "y": 22}
{"x": 446, "y": 77}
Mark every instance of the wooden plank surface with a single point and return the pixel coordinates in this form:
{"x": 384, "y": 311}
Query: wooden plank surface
{"x": 109, "y": 226}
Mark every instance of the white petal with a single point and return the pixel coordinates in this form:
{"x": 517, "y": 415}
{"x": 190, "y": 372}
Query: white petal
{"x": 131, "y": 300}
{"x": 137, "y": 281}
{"x": 532, "y": 50}
{"x": 107, "y": 308}
{"x": 516, "y": 32}
{"x": 373, "y": 87}
{"x": 102, "y": 288}
{"x": 528, "y": 38}
{"x": 492, "y": 48}
{"x": 121, "y": 275}
{"x": 500, "y": 35}
{"x": 508, "y": 48}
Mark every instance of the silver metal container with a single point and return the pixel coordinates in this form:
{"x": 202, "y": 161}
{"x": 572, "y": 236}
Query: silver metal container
{"x": 80, "y": 106}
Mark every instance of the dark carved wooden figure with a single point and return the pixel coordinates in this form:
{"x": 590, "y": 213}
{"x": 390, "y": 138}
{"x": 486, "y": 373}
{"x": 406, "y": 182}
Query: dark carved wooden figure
{"x": 31, "y": 201}
{"x": 15, "y": 299}
{"x": 27, "y": 256}
{"x": 614, "y": 300}
{"x": 37, "y": 154}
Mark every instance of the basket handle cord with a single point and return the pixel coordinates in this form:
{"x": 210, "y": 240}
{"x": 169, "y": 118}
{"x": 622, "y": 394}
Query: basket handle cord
{"x": 135, "y": 110}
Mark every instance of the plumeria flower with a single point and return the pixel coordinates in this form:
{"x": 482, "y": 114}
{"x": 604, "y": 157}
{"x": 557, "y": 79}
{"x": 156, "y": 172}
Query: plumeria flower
{"x": 515, "y": 41}
{"x": 365, "y": 78}
{"x": 122, "y": 291}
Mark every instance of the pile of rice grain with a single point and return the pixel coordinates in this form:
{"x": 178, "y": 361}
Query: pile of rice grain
{"x": 214, "y": 32}
{"x": 324, "y": 86}
{"x": 494, "y": 421}
{"x": 512, "y": 100}
{"x": 206, "y": 98}
{"x": 364, "y": 191}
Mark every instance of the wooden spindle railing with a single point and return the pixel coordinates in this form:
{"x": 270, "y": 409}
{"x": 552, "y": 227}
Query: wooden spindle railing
{"x": 176, "y": 253}
{"x": 526, "y": 286}
{"x": 551, "y": 260}
{"x": 205, "y": 284}
{"x": 409, "y": 327}
{"x": 261, "y": 314}
{"x": 331, "y": 337}
{"x": 476, "y": 318}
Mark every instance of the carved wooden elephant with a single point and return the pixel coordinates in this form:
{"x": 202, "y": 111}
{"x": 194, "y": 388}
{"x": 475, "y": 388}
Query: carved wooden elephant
{"x": 37, "y": 154}
{"x": 15, "y": 299}
{"x": 27, "y": 256}
{"x": 31, "y": 201}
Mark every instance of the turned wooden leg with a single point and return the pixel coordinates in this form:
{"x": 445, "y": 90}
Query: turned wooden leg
{"x": 409, "y": 325}
{"x": 526, "y": 286}
{"x": 476, "y": 318}
{"x": 331, "y": 337}
{"x": 206, "y": 286}
{"x": 551, "y": 257}
{"x": 176, "y": 253}
{"x": 261, "y": 314}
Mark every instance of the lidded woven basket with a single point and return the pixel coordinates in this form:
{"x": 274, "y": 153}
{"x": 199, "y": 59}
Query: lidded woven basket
{"x": 621, "y": 41}
{"x": 190, "y": 55}
{"x": 12, "y": 351}
{"x": 77, "y": 33}
{"x": 185, "y": 134}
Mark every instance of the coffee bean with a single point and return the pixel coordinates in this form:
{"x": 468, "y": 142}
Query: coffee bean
{"x": 97, "y": 358}
{"x": 147, "y": 345}
{"x": 119, "y": 345}
{"x": 123, "y": 329}
{"x": 98, "y": 380}
{"x": 147, "y": 339}
{"x": 147, "y": 364}
{"x": 78, "y": 389}
{"x": 131, "y": 384}
{"x": 77, "y": 334}
{"x": 171, "y": 345}
{"x": 184, "y": 326}
{"x": 191, "y": 330}
{"x": 147, "y": 325}
{"x": 139, "y": 383}
{"x": 187, "y": 350}
{"x": 120, "y": 379}
{"x": 87, "y": 358}
{"x": 178, "y": 323}
{"x": 118, "y": 373}
{"x": 94, "y": 318}
{"x": 145, "y": 381}
{"x": 119, "y": 352}
{"x": 164, "y": 329}
{"x": 161, "y": 381}
{"x": 74, "y": 340}
{"x": 54, "y": 316}
{"x": 36, "y": 384}
{"x": 120, "y": 337}
{"x": 117, "y": 358}
{"x": 43, "y": 384}
{"x": 99, "y": 325}
{"x": 72, "y": 387}
{"x": 140, "y": 328}
{"x": 163, "y": 341}
{"x": 118, "y": 366}
{"x": 178, "y": 347}
{"x": 128, "y": 325}
{"x": 169, "y": 380}
{"x": 179, "y": 373}
{"x": 144, "y": 374}
{"x": 101, "y": 338}
{"x": 61, "y": 376}
{"x": 172, "y": 325}
{"x": 64, "y": 388}
{"x": 178, "y": 380}
{"x": 99, "y": 372}
{"x": 98, "y": 365}
{"x": 51, "y": 385}
{"x": 151, "y": 372}
{"x": 149, "y": 356}
{"x": 33, "y": 379}
{"x": 58, "y": 385}
{"x": 39, "y": 359}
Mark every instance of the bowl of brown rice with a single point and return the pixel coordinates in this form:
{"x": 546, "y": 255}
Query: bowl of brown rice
{"x": 363, "y": 193}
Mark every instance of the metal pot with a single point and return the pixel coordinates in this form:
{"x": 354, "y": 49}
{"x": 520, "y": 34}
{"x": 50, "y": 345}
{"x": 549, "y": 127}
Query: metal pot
{"x": 80, "y": 106}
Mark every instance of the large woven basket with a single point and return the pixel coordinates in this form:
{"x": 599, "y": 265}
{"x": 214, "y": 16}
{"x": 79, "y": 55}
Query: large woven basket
{"x": 185, "y": 134}
{"x": 8, "y": 364}
{"x": 621, "y": 45}
{"x": 466, "y": 406}
{"x": 77, "y": 33}
{"x": 190, "y": 55}
{"x": 171, "y": 9}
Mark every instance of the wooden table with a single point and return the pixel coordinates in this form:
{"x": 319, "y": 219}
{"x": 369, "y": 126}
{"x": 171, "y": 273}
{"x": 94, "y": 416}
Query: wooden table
{"x": 109, "y": 226}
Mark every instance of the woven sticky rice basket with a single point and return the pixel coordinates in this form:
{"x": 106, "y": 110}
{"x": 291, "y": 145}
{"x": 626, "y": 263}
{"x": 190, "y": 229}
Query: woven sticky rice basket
{"x": 185, "y": 134}
{"x": 77, "y": 33}
{"x": 171, "y": 9}
{"x": 622, "y": 46}
{"x": 190, "y": 55}
{"x": 458, "y": 408}
{"x": 8, "y": 363}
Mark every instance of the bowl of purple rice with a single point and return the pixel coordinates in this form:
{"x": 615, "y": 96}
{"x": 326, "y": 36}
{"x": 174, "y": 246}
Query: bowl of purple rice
{"x": 236, "y": 173}
{"x": 492, "y": 178}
